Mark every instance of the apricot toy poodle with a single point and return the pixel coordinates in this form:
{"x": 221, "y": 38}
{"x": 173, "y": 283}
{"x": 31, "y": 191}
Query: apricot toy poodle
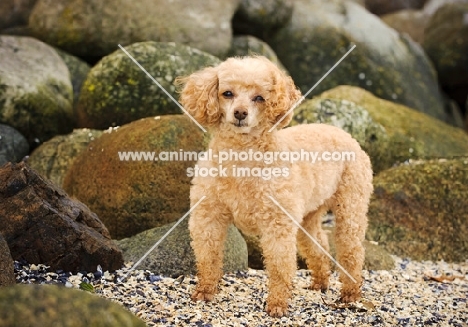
{"x": 239, "y": 101}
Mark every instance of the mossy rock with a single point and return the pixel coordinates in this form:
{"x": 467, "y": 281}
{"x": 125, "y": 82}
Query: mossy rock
{"x": 352, "y": 118}
{"x": 174, "y": 256}
{"x": 411, "y": 134}
{"x": 94, "y": 28}
{"x": 388, "y": 64}
{"x": 35, "y": 89}
{"x": 48, "y": 305}
{"x": 132, "y": 196}
{"x": 53, "y": 158}
{"x": 117, "y": 92}
{"x": 419, "y": 210}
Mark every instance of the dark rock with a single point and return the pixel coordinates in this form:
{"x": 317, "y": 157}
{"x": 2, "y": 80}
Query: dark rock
{"x": 13, "y": 145}
{"x": 15, "y": 12}
{"x": 388, "y": 64}
{"x": 95, "y": 28}
{"x": 420, "y": 210}
{"x": 380, "y": 7}
{"x": 174, "y": 255}
{"x": 131, "y": 196}
{"x": 53, "y": 158}
{"x": 261, "y": 17}
{"x": 35, "y": 89}
{"x": 41, "y": 224}
{"x": 446, "y": 43}
{"x": 78, "y": 71}
{"x": 117, "y": 92}
{"x": 248, "y": 45}
{"x": 48, "y": 305}
{"x": 7, "y": 273}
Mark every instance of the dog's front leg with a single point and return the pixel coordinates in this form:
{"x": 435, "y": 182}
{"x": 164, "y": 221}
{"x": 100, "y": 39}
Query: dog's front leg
{"x": 278, "y": 242}
{"x": 208, "y": 229}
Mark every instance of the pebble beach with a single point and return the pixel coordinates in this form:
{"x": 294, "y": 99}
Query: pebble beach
{"x": 412, "y": 294}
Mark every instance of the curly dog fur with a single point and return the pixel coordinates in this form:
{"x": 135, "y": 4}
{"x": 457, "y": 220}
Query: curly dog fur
{"x": 239, "y": 101}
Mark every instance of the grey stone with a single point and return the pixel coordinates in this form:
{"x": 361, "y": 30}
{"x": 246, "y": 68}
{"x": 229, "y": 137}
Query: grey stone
{"x": 35, "y": 89}
{"x": 174, "y": 255}
{"x": 13, "y": 145}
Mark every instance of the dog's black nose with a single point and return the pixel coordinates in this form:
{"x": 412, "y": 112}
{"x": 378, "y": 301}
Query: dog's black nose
{"x": 240, "y": 114}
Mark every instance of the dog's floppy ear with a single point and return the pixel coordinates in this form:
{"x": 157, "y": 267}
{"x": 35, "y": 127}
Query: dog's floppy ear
{"x": 199, "y": 96}
{"x": 285, "y": 97}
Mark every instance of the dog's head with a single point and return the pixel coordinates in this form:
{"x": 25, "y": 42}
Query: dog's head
{"x": 240, "y": 94}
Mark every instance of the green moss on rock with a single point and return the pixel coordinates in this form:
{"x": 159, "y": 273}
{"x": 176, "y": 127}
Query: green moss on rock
{"x": 411, "y": 134}
{"x": 132, "y": 196}
{"x": 419, "y": 210}
{"x": 117, "y": 92}
{"x": 47, "y": 305}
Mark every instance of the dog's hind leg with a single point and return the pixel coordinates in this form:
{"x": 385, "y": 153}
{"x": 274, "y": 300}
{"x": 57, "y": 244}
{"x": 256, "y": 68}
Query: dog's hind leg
{"x": 317, "y": 261}
{"x": 208, "y": 229}
{"x": 350, "y": 209}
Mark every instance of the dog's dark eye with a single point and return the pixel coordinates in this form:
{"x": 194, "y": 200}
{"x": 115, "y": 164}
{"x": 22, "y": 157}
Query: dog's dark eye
{"x": 228, "y": 94}
{"x": 259, "y": 98}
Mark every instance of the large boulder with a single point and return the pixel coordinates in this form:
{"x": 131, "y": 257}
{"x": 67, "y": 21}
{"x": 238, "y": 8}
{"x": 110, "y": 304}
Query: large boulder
{"x": 13, "y": 145}
{"x": 41, "y": 224}
{"x": 95, "y": 28}
{"x": 7, "y": 272}
{"x": 411, "y": 134}
{"x": 352, "y": 118}
{"x": 384, "y": 62}
{"x": 419, "y": 210}
{"x": 50, "y": 305}
{"x": 446, "y": 43}
{"x": 117, "y": 92}
{"x": 174, "y": 256}
{"x": 35, "y": 89}
{"x": 133, "y": 195}
{"x": 53, "y": 158}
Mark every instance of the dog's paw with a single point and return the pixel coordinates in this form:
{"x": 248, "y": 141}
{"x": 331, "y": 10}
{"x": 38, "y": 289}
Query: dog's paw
{"x": 202, "y": 296}
{"x": 277, "y": 311}
{"x": 348, "y": 296}
{"x": 322, "y": 287}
